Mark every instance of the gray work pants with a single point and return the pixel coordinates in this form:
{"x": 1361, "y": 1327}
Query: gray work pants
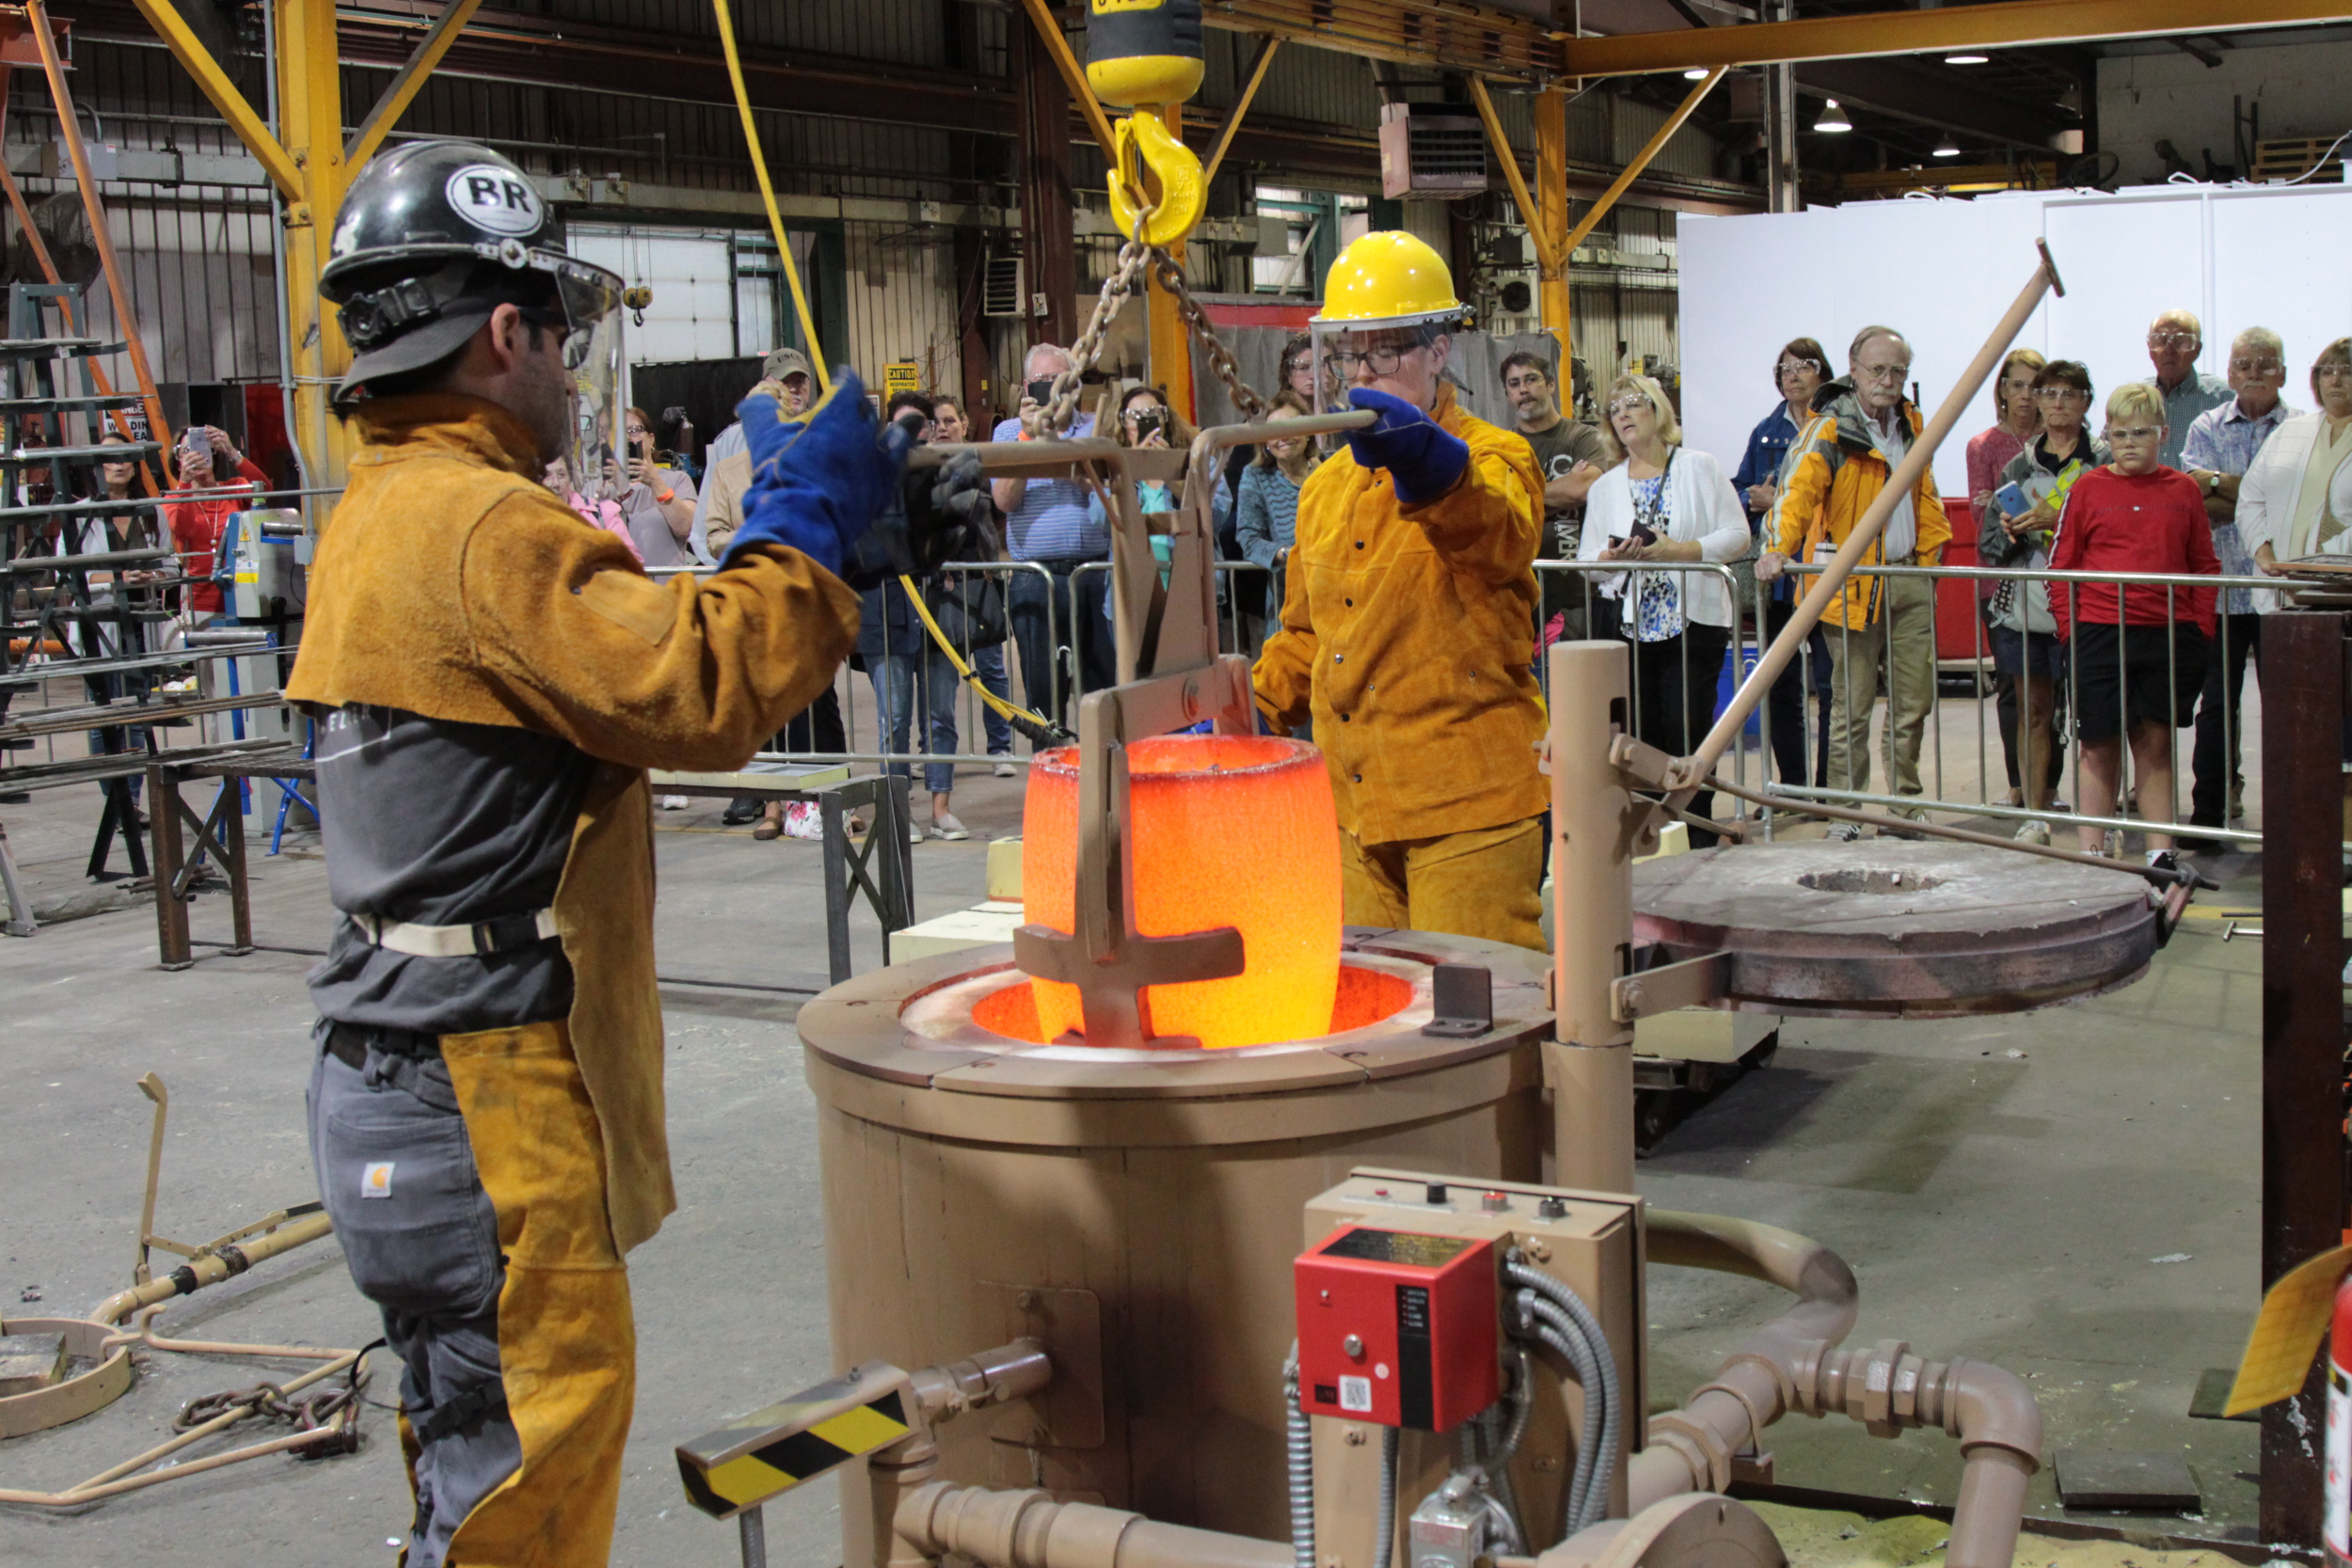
{"x": 396, "y": 1170}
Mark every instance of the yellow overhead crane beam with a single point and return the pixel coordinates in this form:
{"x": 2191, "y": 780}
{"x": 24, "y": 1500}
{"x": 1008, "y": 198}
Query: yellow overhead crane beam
{"x": 311, "y": 166}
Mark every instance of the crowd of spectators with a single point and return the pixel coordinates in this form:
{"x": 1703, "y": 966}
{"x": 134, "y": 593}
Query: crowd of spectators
{"x": 2049, "y": 488}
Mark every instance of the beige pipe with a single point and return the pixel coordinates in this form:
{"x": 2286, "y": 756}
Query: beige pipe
{"x": 1588, "y": 1064}
{"x": 1828, "y": 1299}
{"x": 1029, "y": 1530}
{"x": 226, "y": 1263}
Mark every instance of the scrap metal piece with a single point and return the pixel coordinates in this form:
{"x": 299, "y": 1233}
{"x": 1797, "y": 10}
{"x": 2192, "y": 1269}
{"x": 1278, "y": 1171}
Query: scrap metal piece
{"x": 2140, "y": 1483}
{"x": 1463, "y": 998}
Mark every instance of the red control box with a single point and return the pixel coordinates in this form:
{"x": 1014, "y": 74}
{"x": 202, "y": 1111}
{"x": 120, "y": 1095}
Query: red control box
{"x": 1398, "y": 1328}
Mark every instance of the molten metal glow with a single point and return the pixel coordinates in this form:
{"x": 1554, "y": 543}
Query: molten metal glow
{"x": 1227, "y": 831}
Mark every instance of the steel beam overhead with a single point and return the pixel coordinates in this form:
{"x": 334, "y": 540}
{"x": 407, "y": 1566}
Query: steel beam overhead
{"x": 1930, "y": 32}
{"x": 409, "y": 82}
{"x": 215, "y": 84}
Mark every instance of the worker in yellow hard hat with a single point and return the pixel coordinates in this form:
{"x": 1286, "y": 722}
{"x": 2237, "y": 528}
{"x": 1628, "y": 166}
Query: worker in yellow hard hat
{"x": 1408, "y": 624}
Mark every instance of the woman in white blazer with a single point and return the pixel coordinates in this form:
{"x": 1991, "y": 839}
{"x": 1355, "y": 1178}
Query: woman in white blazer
{"x": 1661, "y": 502}
{"x": 2295, "y": 498}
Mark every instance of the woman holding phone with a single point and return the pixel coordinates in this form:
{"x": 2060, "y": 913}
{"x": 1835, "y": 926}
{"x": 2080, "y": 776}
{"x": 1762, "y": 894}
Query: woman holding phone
{"x": 658, "y": 500}
{"x": 1661, "y": 502}
{"x": 2015, "y": 530}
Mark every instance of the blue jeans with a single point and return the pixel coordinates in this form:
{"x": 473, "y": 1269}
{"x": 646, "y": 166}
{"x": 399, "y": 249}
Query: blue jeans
{"x": 895, "y": 679}
{"x": 989, "y": 664}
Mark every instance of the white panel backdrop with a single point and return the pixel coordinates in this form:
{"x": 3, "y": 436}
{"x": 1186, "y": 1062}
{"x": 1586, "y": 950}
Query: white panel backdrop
{"x": 1942, "y": 271}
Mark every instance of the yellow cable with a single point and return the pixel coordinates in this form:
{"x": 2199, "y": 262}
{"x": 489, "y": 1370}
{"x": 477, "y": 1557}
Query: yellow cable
{"x": 1004, "y": 709}
{"x": 767, "y": 192}
{"x": 817, "y": 354}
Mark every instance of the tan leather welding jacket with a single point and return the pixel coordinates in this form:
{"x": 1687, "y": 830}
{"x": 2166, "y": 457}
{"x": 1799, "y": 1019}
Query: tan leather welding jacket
{"x": 452, "y": 586}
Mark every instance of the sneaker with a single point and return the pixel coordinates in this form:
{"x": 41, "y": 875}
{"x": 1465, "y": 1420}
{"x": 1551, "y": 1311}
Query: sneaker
{"x": 2034, "y": 831}
{"x": 1006, "y": 770}
{"x": 914, "y": 832}
{"x": 947, "y": 827}
{"x": 1845, "y": 832}
{"x": 672, "y": 803}
{"x": 740, "y": 811}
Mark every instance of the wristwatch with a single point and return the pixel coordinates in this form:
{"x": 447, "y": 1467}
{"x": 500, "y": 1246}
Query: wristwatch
{"x": 2213, "y": 482}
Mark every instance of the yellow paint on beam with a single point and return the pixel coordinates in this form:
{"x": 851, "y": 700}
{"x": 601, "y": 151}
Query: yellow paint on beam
{"x": 404, "y": 87}
{"x": 1073, "y": 74}
{"x": 1641, "y": 161}
{"x": 213, "y": 82}
{"x": 1509, "y": 159}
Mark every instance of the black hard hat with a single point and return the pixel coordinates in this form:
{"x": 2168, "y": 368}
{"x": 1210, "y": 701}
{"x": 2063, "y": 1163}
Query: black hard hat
{"x": 434, "y": 235}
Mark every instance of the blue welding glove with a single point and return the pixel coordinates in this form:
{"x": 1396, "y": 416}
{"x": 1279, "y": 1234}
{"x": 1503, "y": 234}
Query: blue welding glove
{"x": 820, "y": 479}
{"x": 1423, "y": 462}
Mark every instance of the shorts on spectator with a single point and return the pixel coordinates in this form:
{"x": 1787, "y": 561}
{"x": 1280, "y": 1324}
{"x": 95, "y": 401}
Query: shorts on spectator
{"x": 2159, "y": 676}
{"x": 2027, "y": 653}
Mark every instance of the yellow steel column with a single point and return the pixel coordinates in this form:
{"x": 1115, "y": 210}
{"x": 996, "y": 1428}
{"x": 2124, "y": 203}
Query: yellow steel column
{"x": 1170, "y": 345}
{"x": 310, "y": 127}
{"x": 1550, "y": 217}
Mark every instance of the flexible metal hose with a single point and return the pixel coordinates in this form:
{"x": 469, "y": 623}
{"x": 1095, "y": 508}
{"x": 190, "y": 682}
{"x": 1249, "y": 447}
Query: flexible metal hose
{"x": 1578, "y": 1499}
{"x": 1384, "y": 1545}
{"x": 1298, "y": 1448}
{"x": 1522, "y": 1406}
{"x": 1611, "y": 1398}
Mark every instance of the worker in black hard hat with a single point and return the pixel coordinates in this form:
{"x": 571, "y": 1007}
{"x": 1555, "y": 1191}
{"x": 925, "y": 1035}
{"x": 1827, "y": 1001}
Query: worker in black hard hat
{"x": 494, "y": 677}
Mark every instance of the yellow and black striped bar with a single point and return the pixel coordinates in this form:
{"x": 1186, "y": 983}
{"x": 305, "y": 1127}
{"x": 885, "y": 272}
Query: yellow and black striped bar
{"x": 769, "y": 1452}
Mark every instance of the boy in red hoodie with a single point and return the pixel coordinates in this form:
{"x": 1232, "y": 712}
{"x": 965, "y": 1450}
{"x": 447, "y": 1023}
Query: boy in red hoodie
{"x": 2137, "y": 667}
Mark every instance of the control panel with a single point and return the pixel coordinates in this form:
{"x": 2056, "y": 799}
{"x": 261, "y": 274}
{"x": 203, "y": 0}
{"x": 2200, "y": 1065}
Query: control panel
{"x": 1398, "y": 1328}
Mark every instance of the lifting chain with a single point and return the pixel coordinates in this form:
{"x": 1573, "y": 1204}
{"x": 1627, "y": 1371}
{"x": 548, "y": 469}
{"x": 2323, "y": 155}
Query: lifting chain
{"x": 1126, "y": 278}
{"x": 308, "y": 1412}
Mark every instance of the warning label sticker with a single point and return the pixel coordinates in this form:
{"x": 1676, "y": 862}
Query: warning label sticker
{"x": 1356, "y": 1394}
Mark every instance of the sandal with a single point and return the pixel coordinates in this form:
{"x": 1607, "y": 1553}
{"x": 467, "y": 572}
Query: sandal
{"x": 769, "y": 828}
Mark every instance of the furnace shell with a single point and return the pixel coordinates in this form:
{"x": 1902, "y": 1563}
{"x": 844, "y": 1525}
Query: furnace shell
{"x": 1138, "y": 1210}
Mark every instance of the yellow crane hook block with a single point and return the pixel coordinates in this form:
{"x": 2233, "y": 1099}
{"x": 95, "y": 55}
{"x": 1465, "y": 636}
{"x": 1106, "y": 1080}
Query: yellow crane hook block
{"x": 1154, "y": 179}
{"x": 1143, "y": 51}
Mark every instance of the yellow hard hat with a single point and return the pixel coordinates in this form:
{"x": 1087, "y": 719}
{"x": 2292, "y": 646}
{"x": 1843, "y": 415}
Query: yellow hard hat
{"x": 1388, "y": 278}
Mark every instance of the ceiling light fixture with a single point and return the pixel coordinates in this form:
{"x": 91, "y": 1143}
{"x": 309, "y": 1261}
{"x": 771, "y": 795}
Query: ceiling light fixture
{"x": 1946, "y": 148}
{"x": 1696, "y": 73}
{"x": 1965, "y": 59}
{"x": 1833, "y": 119}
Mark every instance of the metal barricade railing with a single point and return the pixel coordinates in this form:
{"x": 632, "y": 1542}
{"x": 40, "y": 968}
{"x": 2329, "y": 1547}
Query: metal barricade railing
{"x": 2051, "y": 701}
{"x": 1601, "y": 585}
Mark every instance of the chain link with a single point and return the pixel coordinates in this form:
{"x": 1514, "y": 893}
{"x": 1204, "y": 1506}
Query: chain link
{"x": 1052, "y": 418}
{"x": 308, "y": 1412}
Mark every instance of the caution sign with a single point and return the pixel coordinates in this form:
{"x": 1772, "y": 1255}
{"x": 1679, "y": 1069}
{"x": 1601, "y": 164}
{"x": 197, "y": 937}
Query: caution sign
{"x": 902, "y": 376}
{"x": 771, "y": 1451}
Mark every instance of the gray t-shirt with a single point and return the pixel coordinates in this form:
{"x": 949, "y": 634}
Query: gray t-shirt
{"x": 1558, "y": 450}
{"x": 442, "y": 824}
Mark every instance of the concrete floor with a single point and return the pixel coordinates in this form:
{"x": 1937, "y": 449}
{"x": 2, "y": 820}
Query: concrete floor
{"x": 2020, "y": 1190}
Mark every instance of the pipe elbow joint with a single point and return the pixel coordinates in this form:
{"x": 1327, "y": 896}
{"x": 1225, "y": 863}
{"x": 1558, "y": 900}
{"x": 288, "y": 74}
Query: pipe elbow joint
{"x": 1990, "y": 1407}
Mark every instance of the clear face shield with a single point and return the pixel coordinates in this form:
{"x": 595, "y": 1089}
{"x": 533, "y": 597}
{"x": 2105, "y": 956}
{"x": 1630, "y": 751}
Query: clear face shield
{"x": 590, "y": 301}
{"x": 1345, "y": 351}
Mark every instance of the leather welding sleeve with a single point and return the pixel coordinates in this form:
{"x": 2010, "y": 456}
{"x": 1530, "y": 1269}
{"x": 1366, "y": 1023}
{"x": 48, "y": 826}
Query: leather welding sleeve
{"x": 1283, "y": 677}
{"x": 1489, "y": 525}
{"x": 688, "y": 673}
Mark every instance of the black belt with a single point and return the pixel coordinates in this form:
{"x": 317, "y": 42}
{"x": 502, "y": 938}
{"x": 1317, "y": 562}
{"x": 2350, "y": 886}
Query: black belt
{"x": 348, "y": 1043}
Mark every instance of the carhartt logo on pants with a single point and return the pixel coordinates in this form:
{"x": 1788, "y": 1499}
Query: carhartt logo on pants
{"x": 375, "y": 1178}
